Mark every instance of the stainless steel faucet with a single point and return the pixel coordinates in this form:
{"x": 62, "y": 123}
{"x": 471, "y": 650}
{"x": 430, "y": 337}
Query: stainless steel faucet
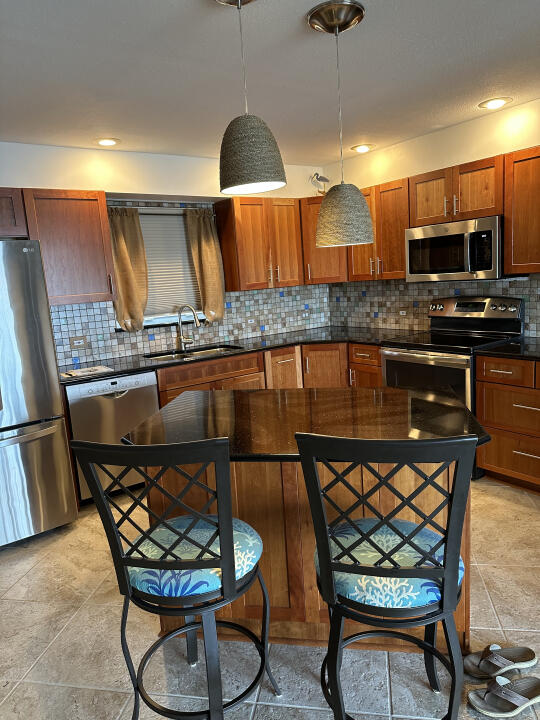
{"x": 182, "y": 339}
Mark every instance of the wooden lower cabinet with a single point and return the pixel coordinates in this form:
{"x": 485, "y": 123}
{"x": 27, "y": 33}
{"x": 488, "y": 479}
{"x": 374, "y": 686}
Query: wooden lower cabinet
{"x": 366, "y": 376}
{"x": 325, "y": 365}
{"x": 508, "y": 408}
{"x": 516, "y": 456}
{"x": 283, "y": 367}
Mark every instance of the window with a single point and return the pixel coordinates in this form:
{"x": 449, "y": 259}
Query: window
{"x": 171, "y": 275}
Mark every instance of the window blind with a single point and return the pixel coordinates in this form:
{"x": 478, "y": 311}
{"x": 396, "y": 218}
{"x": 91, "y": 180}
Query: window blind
{"x": 171, "y": 275}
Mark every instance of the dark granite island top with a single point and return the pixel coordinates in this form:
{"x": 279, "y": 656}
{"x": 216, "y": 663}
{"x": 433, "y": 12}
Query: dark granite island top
{"x": 261, "y": 424}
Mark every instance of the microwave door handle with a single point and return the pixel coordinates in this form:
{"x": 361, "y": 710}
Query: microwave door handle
{"x": 467, "y": 238}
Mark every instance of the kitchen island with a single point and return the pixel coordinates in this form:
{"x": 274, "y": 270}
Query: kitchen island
{"x": 268, "y": 488}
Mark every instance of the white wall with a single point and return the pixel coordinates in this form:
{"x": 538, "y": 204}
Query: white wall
{"x": 45, "y": 166}
{"x": 490, "y": 134}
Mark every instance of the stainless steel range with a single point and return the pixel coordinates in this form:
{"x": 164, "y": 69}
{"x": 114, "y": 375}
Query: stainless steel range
{"x": 443, "y": 356}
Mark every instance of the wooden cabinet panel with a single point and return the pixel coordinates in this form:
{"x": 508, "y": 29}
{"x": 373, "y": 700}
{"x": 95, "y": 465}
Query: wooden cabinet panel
{"x": 537, "y": 373}
{"x": 253, "y": 381}
{"x": 321, "y": 265}
{"x": 430, "y": 195}
{"x": 366, "y": 376}
{"x": 12, "y": 217}
{"x": 285, "y": 241}
{"x": 369, "y": 354}
{"x": 362, "y": 258}
{"x": 177, "y": 376}
{"x": 283, "y": 368}
{"x": 478, "y": 188}
{"x": 522, "y": 212}
{"x": 325, "y": 365}
{"x": 392, "y": 221}
{"x": 73, "y": 230}
{"x": 507, "y": 371}
{"x": 166, "y": 396}
{"x": 517, "y": 456}
{"x": 508, "y": 408}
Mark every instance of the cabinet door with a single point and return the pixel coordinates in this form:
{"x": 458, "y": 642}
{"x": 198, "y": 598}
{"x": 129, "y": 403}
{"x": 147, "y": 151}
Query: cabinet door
{"x": 283, "y": 368}
{"x": 365, "y": 376}
{"x": 478, "y": 189}
{"x": 325, "y": 365}
{"x": 522, "y": 212}
{"x": 73, "y": 230}
{"x": 251, "y": 221}
{"x": 12, "y": 218}
{"x": 255, "y": 381}
{"x": 285, "y": 241}
{"x": 430, "y": 196}
{"x": 362, "y": 265}
{"x": 321, "y": 265}
{"x": 392, "y": 221}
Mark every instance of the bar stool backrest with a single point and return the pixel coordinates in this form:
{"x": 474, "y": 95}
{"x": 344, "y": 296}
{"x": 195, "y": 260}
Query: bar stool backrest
{"x": 197, "y": 484}
{"x": 349, "y": 479}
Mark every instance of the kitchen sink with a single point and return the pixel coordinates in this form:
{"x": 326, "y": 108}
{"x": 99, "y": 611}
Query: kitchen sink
{"x": 186, "y": 355}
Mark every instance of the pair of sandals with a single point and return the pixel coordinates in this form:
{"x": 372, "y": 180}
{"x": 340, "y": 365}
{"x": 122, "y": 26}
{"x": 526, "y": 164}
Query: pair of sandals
{"x": 503, "y": 697}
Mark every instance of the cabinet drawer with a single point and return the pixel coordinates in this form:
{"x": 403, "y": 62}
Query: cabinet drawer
{"x": 367, "y": 354}
{"x": 182, "y": 375}
{"x": 510, "y": 454}
{"x": 506, "y": 371}
{"x": 509, "y": 408}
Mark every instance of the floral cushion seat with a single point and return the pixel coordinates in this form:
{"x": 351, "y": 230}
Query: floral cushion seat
{"x": 381, "y": 591}
{"x": 180, "y": 583}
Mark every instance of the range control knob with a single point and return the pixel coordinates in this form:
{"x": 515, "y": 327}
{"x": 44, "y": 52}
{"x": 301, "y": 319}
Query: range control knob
{"x": 432, "y": 307}
{"x": 440, "y": 307}
{"x": 494, "y": 307}
{"x": 502, "y": 307}
{"x": 512, "y": 308}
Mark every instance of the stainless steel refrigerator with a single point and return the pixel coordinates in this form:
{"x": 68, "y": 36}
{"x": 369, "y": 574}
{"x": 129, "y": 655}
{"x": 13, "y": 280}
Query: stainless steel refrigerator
{"x": 36, "y": 484}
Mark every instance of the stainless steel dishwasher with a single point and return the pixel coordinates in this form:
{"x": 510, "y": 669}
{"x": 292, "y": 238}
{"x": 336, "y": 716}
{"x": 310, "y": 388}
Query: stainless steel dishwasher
{"x": 105, "y": 410}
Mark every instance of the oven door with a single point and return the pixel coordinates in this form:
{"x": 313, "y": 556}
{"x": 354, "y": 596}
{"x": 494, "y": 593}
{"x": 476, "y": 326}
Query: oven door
{"x": 419, "y": 370}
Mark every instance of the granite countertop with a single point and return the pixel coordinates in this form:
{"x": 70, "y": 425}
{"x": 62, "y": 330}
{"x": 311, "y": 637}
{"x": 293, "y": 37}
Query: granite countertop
{"x": 261, "y": 424}
{"x": 138, "y": 363}
{"x": 526, "y": 349}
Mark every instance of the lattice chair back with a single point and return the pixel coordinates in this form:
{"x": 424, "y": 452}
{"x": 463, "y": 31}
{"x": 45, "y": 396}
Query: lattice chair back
{"x": 175, "y": 529}
{"x": 388, "y": 519}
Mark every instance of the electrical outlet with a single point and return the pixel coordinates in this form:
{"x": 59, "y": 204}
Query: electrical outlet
{"x": 251, "y": 321}
{"x": 402, "y": 312}
{"x": 78, "y": 342}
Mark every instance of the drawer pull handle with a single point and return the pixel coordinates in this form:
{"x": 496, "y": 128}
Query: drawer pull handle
{"x": 526, "y": 407}
{"x": 280, "y": 362}
{"x": 357, "y": 354}
{"x": 503, "y": 372}
{"x": 529, "y": 455}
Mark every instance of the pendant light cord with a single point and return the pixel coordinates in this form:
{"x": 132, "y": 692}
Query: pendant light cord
{"x": 243, "y": 54}
{"x": 340, "y": 115}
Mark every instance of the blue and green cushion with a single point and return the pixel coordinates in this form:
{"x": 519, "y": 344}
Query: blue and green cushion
{"x": 181, "y": 583}
{"x": 387, "y": 592}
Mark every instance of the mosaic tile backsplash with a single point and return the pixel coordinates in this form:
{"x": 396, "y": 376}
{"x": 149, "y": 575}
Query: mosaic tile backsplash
{"x": 387, "y": 304}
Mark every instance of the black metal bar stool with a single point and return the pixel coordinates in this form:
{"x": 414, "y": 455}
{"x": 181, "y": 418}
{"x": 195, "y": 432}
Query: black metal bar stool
{"x": 188, "y": 560}
{"x": 385, "y": 569}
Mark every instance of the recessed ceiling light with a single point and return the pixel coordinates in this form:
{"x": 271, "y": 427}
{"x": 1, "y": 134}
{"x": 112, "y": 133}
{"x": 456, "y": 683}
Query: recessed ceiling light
{"x": 495, "y": 103}
{"x": 107, "y": 142}
{"x": 362, "y": 148}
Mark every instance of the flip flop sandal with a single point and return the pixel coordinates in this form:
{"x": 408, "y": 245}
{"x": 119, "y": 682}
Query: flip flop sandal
{"x": 494, "y": 660}
{"x": 503, "y": 698}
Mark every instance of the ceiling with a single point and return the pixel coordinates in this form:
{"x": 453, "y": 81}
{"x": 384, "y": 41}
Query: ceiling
{"x": 164, "y": 75}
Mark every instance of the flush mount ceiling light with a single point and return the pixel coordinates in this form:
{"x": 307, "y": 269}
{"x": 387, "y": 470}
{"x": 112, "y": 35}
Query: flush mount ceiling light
{"x": 495, "y": 103}
{"x": 344, "y": 218}
{"x": 362, "y": 148}
{"x": 107, "y": 142}
{"x": 250, "y": 161}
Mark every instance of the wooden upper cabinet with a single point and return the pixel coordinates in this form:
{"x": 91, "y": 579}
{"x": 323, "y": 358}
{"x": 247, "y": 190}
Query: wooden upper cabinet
{"x": 321, "y": 265}
{"x": 73, "y": 230}
{"x": 243, "y": 233}
{"x": 477, "y": 189}
{"x": 283, "y": 368}
{"x": 12, "y": 217}
{"x": 392, "y": 221}
{"x": 325, "y": 365}
{"x": 522, "y": 212}
{"x": 362, "y": 258}
{"x": 285, "y": 241}
{"x": 430, "y": 198}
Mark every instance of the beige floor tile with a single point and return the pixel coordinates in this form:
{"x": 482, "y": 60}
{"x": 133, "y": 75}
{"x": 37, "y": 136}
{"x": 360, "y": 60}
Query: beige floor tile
{"x": 482, "y": 612}
{"x": 515, "y": 592}
{"x": 481, "y": 638}
{"x": 525, "y": 639}
{"x": 268, "y": 712}
{"x": 107, "y": 592}
{"x": 5, "y": 687}
{"x": 45, "y": 702}
{"x": 15, "y": 562}
{"x": 26, "y": 628}
{"x": 244, "y": 712}
{"x": 410, "y": 693}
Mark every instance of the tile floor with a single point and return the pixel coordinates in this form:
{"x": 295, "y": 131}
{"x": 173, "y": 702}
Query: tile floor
{"x": 60, "y": 654}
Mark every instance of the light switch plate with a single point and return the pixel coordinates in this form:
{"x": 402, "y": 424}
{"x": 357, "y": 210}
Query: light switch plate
{"x": 78, "y": 342}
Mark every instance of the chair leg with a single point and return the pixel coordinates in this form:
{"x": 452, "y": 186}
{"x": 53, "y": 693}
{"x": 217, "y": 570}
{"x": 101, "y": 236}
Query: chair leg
{"x": 335, "y": 655}
{"x": 213, "y": 674}
{"x": 430, "y": 636}
{"x": 264, "y": 634}
{"x": 191, "y": 641}
{"x": 129, "y": 661}
{"x": 456, "y": 659}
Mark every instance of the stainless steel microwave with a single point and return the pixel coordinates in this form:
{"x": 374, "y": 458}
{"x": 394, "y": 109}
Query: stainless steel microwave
{"x": 466, "y": 250}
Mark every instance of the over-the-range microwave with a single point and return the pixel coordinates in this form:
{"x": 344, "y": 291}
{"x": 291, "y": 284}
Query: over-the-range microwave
{"x": 466, "y": 250}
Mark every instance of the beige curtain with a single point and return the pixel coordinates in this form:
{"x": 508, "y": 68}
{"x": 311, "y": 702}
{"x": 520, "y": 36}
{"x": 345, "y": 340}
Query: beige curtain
{"x": 130, "y": 268}
{"x": 206, "y": 253}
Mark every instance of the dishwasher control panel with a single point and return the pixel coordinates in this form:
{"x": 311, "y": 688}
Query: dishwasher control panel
{"x": 111, "y": 385}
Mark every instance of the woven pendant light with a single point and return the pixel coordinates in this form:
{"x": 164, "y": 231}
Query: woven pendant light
{"x": 250, "y": 161}
{"x": 344, "y": 217}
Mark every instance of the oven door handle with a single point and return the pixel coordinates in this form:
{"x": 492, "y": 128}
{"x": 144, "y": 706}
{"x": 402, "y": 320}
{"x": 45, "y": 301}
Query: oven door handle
{"x": 428, "y": 358}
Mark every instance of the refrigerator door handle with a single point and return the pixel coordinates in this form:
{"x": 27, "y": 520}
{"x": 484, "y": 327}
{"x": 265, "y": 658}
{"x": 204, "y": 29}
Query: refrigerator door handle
{"x": 48, "y": 429}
